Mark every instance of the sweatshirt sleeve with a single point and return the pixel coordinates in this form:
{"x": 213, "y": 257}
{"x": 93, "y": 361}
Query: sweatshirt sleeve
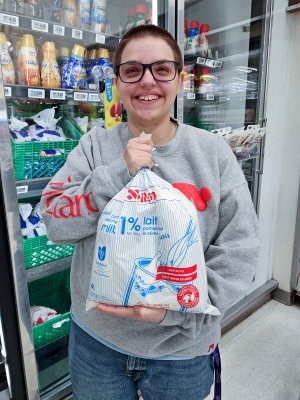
{"x": 75, "y": 197}
{"x": 232, "y": 256}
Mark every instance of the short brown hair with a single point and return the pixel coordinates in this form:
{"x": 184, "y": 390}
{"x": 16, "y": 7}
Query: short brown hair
{"x": 143, "y": 31}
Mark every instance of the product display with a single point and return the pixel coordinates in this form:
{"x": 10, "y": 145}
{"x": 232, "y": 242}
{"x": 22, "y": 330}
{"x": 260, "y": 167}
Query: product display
{"x": 98, "y": 16}
{"x": 28, "y": 67}
{"x": 74, "y": 76}
{"x": 8, "y": 69}
{"x": 50, "y": 75}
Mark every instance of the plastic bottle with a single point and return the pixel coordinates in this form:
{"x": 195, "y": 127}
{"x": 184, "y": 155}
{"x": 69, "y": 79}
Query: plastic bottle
{"x": 92, "y": 61}
{"x": 55, "y": 10}
{"x": 186, "y": 29}
{"x": 69, "y": 13}
{"x": 28, "y": 68}
{"x": 84, "y": 13}
{"x": 193, "y": 32}
{"x": 50, "y": 75}
{"x": 112, "y": 105}
{"x": 140, "y": 14}
{"x": 98, "y": 16}
{"x": 202, "y": 42}
{"x": 130, "y": 19}
{"x": 11, "y": 6}
{"x": 74, "y": 74}
{"x": 63, "y": 59}
{"x": 8, "y": 70}
{"x": 35, "y": 8}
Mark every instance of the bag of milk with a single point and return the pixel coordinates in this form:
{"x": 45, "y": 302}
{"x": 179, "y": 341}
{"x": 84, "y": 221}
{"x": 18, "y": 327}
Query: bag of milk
{"x": 148, "y": 250}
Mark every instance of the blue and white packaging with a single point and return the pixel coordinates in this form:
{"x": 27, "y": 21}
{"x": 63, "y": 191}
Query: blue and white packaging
{"x": 149, "y": 251}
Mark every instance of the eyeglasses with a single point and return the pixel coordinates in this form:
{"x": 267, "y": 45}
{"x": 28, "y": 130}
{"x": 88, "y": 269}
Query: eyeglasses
{"x": 132, "y": 72}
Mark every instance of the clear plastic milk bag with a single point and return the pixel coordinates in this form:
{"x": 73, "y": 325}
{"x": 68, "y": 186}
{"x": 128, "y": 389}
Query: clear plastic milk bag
{"x": 149, "y": 251}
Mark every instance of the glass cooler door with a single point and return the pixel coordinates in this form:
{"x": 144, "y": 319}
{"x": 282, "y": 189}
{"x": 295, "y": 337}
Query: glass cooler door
{"x": 224, "y": 55}
{"x": 48, "y": 51}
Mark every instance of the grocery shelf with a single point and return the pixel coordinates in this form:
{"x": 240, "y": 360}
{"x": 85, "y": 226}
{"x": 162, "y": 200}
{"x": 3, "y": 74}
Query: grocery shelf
{"x": 35, "y": 92}
{"x": 31, "y": 187}
{"x": 58, "y": 30}
{"x": 48, "y": 269}
{"x": 293, "y": 8}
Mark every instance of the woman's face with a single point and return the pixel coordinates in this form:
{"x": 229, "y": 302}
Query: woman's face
{"x": 148, "y": 101}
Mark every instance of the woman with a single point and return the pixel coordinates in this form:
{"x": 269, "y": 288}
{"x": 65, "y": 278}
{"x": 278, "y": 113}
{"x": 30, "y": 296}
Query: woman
{"x": 114, "y": 351}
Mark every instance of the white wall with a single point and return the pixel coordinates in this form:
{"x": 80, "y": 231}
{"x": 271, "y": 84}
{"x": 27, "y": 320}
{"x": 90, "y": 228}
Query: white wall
{"x": 280, "y": 181}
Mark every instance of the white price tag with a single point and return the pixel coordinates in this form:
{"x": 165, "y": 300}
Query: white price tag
{"x": 200, "y": 60}
{"x": 36, "y": 93}
{"x": 94, "y": 97}
{"x": 7, "y": 91}
{"x": 218, "y": 64}
{"x": 210, "y": 97}
{"x": 77, "y": 34}
{"x": 190, "y": 96}
{"x": 7, "y": 19}
{"x": 22, "y": 189}
{"x": 100, "y": 38}
{"x": 57, "y": 94}
{"x": 39, "y": 26}
{"x": 209, "y": 62}
{"x": 80, "y": 96}
{"x": 59, "y": 30}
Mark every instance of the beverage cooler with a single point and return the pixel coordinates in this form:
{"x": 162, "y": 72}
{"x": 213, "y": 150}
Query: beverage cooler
{"x": 50, "y": 98}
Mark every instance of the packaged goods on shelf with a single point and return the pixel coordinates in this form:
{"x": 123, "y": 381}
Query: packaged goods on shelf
{"x": 44, "y": 157}
{"x": 243, "y": 141}
{"x": 28, "y": 67}
{"x": 7, "y": 66}
{"x": 74, "y": 76}
{"x": 50, "y": 75}
{"x": 32, "y": 224}
{"x": 51, "y": 292}
{"x": 98, "y": 16}
{"x": 40, "y": 314}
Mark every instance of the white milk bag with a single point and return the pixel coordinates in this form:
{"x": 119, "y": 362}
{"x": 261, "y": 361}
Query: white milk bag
{"x": 148, "y": 250}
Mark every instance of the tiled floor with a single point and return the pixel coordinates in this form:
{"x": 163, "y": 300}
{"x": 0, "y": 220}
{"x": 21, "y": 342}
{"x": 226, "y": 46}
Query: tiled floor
{"x": 260, "y": 356}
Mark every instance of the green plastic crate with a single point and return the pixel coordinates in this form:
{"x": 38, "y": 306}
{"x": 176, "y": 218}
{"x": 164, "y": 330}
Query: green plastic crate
{"x": 27, "y": 158}
{"x": 39, "y": 250}
{"x": 53, "y": 292}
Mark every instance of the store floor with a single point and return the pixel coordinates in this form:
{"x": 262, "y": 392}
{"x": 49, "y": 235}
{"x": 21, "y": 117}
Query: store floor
{"x": 260, "y": 356}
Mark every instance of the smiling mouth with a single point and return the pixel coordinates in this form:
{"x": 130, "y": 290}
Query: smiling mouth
{"x": 148, "y": 98}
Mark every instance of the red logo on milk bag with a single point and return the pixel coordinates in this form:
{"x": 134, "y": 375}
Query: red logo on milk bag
{"x": 141, "y": 197}
{"x": 188, "y": 296}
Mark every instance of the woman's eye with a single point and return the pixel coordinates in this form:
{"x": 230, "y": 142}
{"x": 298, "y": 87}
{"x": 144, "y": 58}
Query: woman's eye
{"x": 131, "y": 71}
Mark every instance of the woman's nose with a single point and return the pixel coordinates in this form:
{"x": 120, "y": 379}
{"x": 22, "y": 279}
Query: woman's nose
{"x": 148, "y": 78}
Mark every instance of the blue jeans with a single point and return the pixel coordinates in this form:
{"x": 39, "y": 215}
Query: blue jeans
{"x": 98, "y": 372}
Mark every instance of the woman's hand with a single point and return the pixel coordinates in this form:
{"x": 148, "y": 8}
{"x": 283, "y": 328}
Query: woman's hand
{"x": 138, "y": 154}
{"x": 140, "y": 313}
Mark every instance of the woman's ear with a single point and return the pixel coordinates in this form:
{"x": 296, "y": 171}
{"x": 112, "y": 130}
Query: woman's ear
{"x": 180, "y": 81}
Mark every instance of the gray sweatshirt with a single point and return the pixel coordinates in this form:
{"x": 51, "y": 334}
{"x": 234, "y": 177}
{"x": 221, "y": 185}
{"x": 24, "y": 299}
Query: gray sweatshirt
{"x": 197, "y": 163}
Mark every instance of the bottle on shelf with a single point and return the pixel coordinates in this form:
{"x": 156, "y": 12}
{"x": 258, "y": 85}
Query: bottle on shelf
{"x": 2, "y": 5}
{"x": 193, "y": 33}
{"x": 62, "y": 59}
{"x": 98, "y": 16}
{"x": 112, "y": 104}
{"x": 91, "y": 62}
{"x": 7, "y": 66}
{"x": 74, "y": 75}
{"x": 56, "y": 10}
{"x": 130, "y": 19}
{"x": 35, "y": 8}
{"x": 202, "y": 40}
{"x": 69, "y": 12}
{"x": 84, "y": 8}
{"x": 50, "y": 75}
{"x": 28, "y": 68}
{"x": 140, "y": 14}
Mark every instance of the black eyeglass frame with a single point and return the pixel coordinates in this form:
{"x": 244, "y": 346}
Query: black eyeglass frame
{"x": 148, "y": 66}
